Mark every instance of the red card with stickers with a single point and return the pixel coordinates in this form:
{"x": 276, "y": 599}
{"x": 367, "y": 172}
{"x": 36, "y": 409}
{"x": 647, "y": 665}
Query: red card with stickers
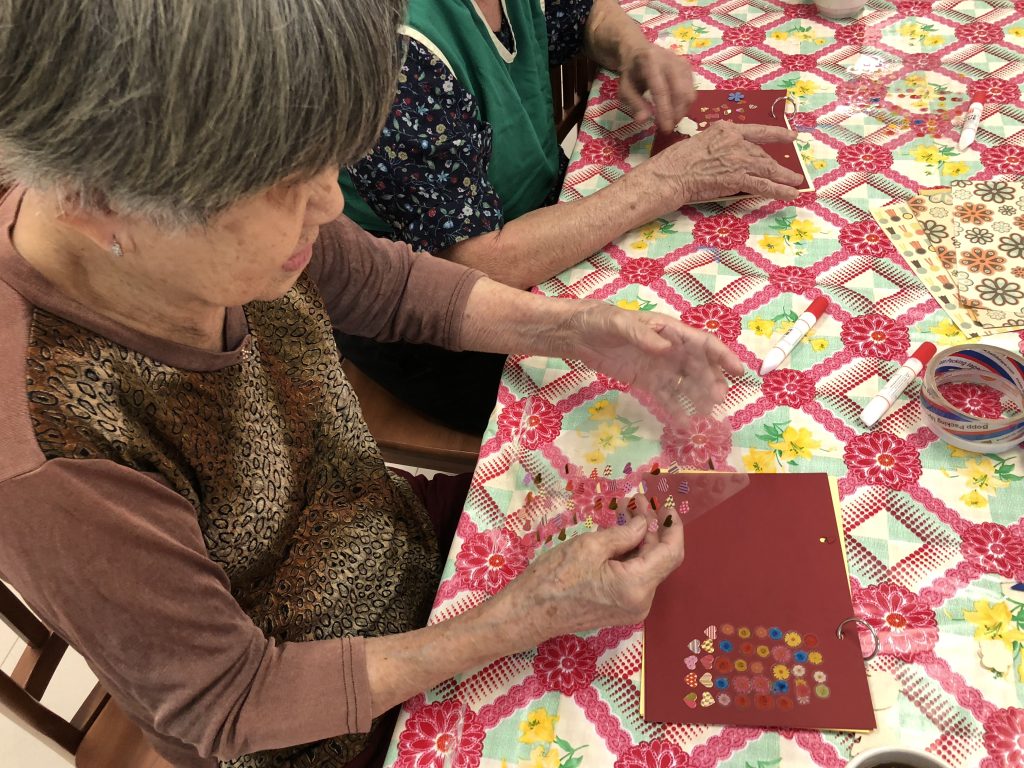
{"x": 744, "y": 632}
{"x": 743, "y": 107}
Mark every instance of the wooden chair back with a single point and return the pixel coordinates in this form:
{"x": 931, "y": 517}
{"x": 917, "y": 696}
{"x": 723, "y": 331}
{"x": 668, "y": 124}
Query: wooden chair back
{"x": 570, "y": 85}
{"x": 405, "y": 436}
{"x": 99, "y": 734}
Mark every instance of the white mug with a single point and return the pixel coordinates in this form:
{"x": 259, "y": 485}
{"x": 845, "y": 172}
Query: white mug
{"x": 839, "y": 9}
{"x": 901, "y": 756}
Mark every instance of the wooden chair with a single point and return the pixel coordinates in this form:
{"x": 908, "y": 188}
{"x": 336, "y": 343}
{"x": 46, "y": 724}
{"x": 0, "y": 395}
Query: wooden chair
{"x": 407, "y": 437}
{"x": 570, "y": 86}
{"x": 99, "y": 735}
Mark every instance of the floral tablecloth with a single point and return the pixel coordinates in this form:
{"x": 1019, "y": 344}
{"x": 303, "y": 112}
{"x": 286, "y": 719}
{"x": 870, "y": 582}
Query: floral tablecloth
{"x": 934, "y": 537}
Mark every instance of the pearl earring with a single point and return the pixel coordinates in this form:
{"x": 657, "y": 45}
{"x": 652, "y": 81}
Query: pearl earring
{"x": 117, "y": 250}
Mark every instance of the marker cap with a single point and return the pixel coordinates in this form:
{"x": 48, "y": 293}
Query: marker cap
{"x": 924, "y": 353}
{"x": 818, "y": 307}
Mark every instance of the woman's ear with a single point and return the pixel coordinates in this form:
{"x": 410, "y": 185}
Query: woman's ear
{"x": 93, "y": 219}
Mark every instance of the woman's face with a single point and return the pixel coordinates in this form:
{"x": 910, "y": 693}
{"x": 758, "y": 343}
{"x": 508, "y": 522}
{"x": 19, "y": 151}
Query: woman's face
{"x": 255, "y": 250}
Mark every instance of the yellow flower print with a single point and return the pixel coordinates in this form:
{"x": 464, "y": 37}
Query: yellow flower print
{"x": 954, "y": 169}
{"x": 609, "y": 436}
{"x": 981, "y": 476}
{"x": 639, "y": 244}
{"x": 779, "y": 34}
{"x": 804, "y": 88}
{"x": 760, "y": 462}
{"x": 796, "y": 444}
{"x": 538, "y": 759}
{"x": 793, "y": 639}
{"x": 602, "y": 410}
{"x": 763, "y": 651}
{"x": 814, "y": 657}
{"x": 819, "y": 164}
{"x": 911, "y": 29}
{"x": 743, "y": 632}
{"x": 974, "y": 500}
{"x": 1016, "y": 32}
{"x": 684, "y": 33}
{"x": 700, "y": 42}
{"x": 819, "y": 41}
{"x": 761, "y": 327}
{"x": 913, "y": 80}
{"x": 740, "y": 665}
{"x": 632, "y": 305}
{"x": 994, "y": 622}
{"x": 802, "y": 35}
{"x": 594, "y": 457}
{"x": 934, "y": 40}
{"x": 780, "y": 672}
{"x": 539, "y": 728}
{"x": 947, "y": 327}
{"x": 784, "y": 326}
{"x": 818, "y": 344}
{"x": 801, "y": 230}
{"x": 772, "y": 244}
{"x": 927, "y": 153}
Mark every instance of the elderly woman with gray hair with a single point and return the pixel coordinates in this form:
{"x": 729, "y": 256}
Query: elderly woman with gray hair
{"x": 188, "y": 493}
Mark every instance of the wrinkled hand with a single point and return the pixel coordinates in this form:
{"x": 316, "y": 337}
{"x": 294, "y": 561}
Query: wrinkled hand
{"x": 666, "y": 76}
{"x": 600, "y": 579}
{"x": 655, "y": 353}
{"x": 725, "y": 160}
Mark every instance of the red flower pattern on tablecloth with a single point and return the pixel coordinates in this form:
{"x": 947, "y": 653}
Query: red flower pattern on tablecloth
{"x": 489, "y": 560}
{"x": 566, "y": 664}
{"x": 591, "y": 500}
{"x": 797, "y": 11}
{"x": 787, "y": 386}
{"x": 656, "y": 753}
{"x": 739, "y": 84}
{"x": 1004, "y": 739}
{"x": 604, "y": 151}
{"x": 742, "y": 35}
{"x": 979, "y": 32}
{"x": 722, "y": 231}
{"x": 860, "y": 90}
{"x": 716, "y": 319}
{"x": 975, "y": 399}
{"x": 903, "y": 623}
{"x": 865, "y": 238}
{"x": 875, "y": 336}
{"x": 881, "y": 458}
{"x": 640, "y": 271}
{"x": 992, "y": 90}
{"x": 791, "y": 279}
{"x": 440, "y": 735}
{"x": 865, "y": 157}
{"x": 609, "y": 88}
{"x": 542, "y": 425}
{"x": 1003, "y": 158}
{"x": 798, "y": 62}
{"x": 995, "y": 549}
{"x": 913, "y": 7}
{"x": 700, "y": 441}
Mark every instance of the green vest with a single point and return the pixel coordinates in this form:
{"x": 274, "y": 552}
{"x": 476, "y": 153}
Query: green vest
{"x": 514, "y": 98}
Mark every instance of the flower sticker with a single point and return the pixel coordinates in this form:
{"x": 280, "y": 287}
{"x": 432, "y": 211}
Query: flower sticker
{"x": 736, "y": 97}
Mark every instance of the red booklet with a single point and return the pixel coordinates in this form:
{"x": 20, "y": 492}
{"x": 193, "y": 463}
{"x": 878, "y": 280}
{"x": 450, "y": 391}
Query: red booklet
{"x": 745, "y": 631}
{"x": 764, "y": 107}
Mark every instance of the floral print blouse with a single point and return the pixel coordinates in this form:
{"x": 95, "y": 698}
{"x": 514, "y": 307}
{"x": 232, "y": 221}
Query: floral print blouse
{"x": 427, "y": 176}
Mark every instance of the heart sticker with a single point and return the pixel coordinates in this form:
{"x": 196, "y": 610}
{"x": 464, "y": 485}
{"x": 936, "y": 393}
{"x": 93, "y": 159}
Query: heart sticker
{"x": 691, "y": 680}
{"x": 711, "y": 632}
{"x": 690, "y": 662}
{"x": 694, "y": 646}
{"x": 707, "y": 661}
{"x": 707, "y": 646}
{"x": 706, "y": 680}
{"x": 706, "y": 700}
{"x": 691, "y": 700}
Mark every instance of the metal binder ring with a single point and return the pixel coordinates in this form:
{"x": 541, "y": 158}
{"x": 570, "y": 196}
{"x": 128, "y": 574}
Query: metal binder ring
{"x": 868, "y": 627}
{"x": 788, "y": 101}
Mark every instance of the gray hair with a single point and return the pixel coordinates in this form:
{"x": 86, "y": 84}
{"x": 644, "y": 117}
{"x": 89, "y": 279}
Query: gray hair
{"x": 175, "y": 109}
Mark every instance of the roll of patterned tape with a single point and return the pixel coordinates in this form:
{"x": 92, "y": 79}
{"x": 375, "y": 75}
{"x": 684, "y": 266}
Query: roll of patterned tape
{"x": 980, "y": 364}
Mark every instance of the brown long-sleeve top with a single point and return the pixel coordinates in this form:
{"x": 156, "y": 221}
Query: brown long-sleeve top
{"x": 216, "y": 532}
